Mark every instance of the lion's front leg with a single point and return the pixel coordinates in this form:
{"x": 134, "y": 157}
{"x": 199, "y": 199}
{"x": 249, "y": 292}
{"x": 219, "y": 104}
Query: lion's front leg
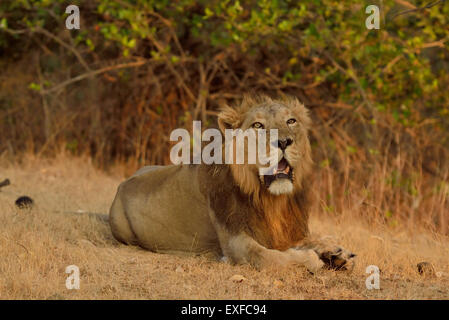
{"x": 244, "y": 249}
{"x": 334, "y": 256}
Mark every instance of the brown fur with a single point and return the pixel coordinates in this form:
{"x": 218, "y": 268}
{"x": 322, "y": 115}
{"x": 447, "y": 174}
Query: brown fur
{"x": 280, "y": 223}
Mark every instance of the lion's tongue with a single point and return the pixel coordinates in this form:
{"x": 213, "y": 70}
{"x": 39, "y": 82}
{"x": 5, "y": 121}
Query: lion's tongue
{"x": 282, "y": 165}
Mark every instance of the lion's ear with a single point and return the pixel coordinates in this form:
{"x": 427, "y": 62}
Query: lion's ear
{"x": 304, "y": 115}
{"x": 228, "y": 118}
{"x": 301, "y": 111}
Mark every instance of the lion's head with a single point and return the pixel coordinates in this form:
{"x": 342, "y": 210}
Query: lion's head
{"x": 292, "y": 147}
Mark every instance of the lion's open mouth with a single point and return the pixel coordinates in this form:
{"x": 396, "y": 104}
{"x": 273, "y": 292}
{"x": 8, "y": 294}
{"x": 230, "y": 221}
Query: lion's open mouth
{"x": 282, "y": 171}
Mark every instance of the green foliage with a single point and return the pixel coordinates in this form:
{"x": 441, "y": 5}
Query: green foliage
{"x": 395, "y": 66}
{"x": 401, "y": 70}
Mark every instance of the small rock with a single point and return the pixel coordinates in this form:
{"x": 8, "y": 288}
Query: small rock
{"x": 179, "y": 269}
{"x": 278, "y": 283}
{"x": 24, "y": 202}
{"x": 237, "y": 278}
{"x": 425, "y": 268}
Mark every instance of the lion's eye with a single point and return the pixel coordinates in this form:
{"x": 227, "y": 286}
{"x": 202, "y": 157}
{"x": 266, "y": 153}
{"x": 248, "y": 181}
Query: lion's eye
{"x": 291, "y": 121}
{"x": 257, "y": 125}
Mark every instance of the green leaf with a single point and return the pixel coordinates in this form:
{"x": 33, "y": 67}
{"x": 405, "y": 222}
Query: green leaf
{"x": 3, "y": 23}
{"x": 34, "y": 86}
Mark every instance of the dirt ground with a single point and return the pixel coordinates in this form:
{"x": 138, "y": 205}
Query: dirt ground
{"x": 37, "y": 245}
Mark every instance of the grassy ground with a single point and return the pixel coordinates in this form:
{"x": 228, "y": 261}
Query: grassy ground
{"x": 37, "y": 245}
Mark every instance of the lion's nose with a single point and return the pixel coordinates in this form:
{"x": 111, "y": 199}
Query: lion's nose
{"x": 283, "y": 144}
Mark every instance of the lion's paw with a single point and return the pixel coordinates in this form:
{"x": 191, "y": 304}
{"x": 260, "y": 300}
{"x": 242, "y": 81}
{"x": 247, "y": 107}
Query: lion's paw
{"x": 337, "y": 258}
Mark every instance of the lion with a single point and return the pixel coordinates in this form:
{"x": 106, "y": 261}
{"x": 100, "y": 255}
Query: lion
{"x": 231, "y": 210}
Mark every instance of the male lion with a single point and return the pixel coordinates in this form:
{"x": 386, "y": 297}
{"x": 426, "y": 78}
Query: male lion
{"x": 231, "y": 209}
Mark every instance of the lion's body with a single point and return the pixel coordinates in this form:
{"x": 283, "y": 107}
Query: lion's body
{"x": 167, "y": 212}
{"x": 170, "y": 211}
{"x": 231, "y": 209}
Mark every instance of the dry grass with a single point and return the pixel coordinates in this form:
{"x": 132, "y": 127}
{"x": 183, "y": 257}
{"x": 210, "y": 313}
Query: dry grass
{"x": 36, "y": 246}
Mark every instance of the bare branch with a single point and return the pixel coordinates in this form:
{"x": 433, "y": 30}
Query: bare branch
{"x": 93, "y": 73}
{"x": 65, "y": 45}
{"x": 427, "y": 6}
{"x": 353, "y": 76}
{"x": 406, "y": 4}
{"x": 53, "y": 37}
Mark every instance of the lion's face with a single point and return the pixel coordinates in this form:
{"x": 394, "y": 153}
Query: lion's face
{"x": 291, "y": 149}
